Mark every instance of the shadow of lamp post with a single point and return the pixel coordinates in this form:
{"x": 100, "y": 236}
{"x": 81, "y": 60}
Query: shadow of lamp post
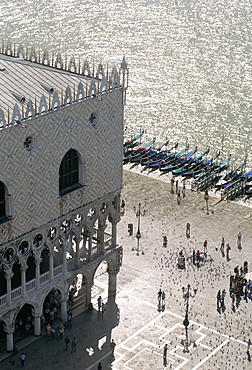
{"x": 186, "y": 295}
{"x": 138, "y": 213}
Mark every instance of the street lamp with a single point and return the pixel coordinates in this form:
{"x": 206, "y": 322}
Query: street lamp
{"x": 186, "y": 295}
{"x": 206, "y": 197}
{"x": 138, "y": 213}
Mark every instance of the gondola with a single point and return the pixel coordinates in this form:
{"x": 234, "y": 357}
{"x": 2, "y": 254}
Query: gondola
{"x": 169, "y": 160}
{"x": 189, "y": 166}
{"x": 180, "y": 162}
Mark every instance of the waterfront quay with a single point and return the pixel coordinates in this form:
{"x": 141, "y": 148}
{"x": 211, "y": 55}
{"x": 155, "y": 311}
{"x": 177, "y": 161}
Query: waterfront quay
{"x": 216, "y": 338}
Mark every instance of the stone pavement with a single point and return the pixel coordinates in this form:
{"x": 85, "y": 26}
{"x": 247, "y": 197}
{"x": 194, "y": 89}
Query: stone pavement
{"x": 139, "y": 327}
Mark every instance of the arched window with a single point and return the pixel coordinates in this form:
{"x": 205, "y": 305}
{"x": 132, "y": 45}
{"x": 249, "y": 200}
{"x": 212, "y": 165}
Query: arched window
{"x": 69, "y": 172}
{"x": 2, "y": 202}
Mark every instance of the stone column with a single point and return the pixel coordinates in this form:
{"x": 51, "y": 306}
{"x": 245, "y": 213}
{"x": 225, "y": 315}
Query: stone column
{"x": 113, "y": 241}
{"x": 64, "y": 262}
{"x": 37, "y": 274}
{"x": 23, "y": 279}
{"x": 88, "y": 293}
{"x": 9, "y": 342}
{"x": 90, "y": 234}
{"x": 8, "y": 276}
{"x": 112, "y": 284}
{"x": 77, "y": 241}
{"x": 63, "y": 310}
{"x": 101, "y": 230}
{"x": 51, "y": 255}
{"x": 37, "y": 326}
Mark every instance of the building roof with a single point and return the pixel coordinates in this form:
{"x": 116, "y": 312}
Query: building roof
{"x": 22, "y": 79}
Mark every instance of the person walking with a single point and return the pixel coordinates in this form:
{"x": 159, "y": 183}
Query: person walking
{"x": 228, "y": 248}
{"x": 188, "y": 231}
{"x": 74, "y": 343}
{"x": 176, "y": 186}
{"x": 205, "y": 248}
{"x": 12, "y": 362}
{"x": 69, "y": 319}
{"x": 99, "y": 367}
{"x": 239, "y": 237}
{"x": 99, "y": 302}
{"x": 22, "y": 358}
{"x": 48, "y": 330}
{"x": 222, "y": 246}
{"x": 159, "y": 295}
{"x": 112, "y": 346}
{"x": 67, "y": 342}
{"x": 52, "y": 332}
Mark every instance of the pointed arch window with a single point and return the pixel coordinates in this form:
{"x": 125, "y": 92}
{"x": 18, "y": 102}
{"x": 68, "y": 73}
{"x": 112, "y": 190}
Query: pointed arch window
{"x": 69, "y": 172}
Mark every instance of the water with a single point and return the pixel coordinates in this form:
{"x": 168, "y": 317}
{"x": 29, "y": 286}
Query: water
{"x": 190, "y": 61}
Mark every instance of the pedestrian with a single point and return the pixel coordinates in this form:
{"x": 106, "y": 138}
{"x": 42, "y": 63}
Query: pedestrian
{"x": 188, "y": 231}
{"x": 222, "y": 246}
{"x": 74, "y": 343}
{"x": 165, "y": 354}
{"x": 99, "y": 301}
{"x": 112, "y": 346}
{"x": 122, "y": 206}
{"x": 218, "y": 299}
{"x": 205, "y": 248}
{"x": 228, "y": 248}
{"x": 103, "y": 308}
{"x": 165, "y": 240}
{"x": 183, "y": 188}
{"x": 176, "y": 186}
{"x": 22, "y": 358}
{"x": 239, "y": 236}
{"x": 52, "y": 332}
{"x": 159, "y": 295}
{"x": 12, "y": 362}
{"x": 163, "y": 299}
{"x": 67, "y": 342}
{"x": 178, "y": 197}
{"x": 48, "y": 330}
{"x": 99, "y": 367}
{"x": 69, "y": 319}
{"x": 61, "y": 330}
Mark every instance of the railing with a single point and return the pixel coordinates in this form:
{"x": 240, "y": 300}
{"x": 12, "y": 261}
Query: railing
{"x": 16, "y": 293}
{"x": 3, "y": 300}
{"x": 57, "y": 270}
{"x": 44, "y": 277}
{"x": 30, "y": 285}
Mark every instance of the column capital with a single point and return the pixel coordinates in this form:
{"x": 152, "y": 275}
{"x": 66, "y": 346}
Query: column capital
{"x": 38, "y": 261}
{"x": 113, "y": 272}
{"x": 8, "y": 275}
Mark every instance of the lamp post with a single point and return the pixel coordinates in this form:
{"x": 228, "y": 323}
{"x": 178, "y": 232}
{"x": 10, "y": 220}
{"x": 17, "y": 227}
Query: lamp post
{"x": 138, "y": 213}
{"x": 206, "y": 197}
{"x": 186, "y": 295}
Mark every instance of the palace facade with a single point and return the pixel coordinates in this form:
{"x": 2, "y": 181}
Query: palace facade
{"x": 61, "y": 139}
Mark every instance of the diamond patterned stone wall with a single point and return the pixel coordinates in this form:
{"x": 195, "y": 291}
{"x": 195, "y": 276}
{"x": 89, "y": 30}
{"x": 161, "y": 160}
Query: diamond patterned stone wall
{"x": 31, "y": 176}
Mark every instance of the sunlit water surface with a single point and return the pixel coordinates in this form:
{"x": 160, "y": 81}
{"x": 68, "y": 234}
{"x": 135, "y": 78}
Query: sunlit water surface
{"x": 190, "y": 61}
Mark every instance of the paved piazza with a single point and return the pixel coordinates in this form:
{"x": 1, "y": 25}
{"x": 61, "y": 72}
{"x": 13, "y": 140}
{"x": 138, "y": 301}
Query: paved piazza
{"x": 134, "y": 320}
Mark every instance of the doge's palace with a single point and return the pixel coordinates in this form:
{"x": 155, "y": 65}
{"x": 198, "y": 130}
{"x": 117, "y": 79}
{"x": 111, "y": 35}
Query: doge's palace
{"x": 61, "y": 139}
